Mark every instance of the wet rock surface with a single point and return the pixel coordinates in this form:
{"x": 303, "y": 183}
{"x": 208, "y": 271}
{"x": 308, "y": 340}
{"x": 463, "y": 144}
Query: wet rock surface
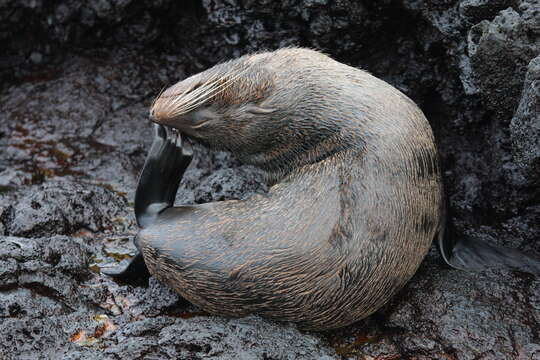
{"x": 76, "y": 83}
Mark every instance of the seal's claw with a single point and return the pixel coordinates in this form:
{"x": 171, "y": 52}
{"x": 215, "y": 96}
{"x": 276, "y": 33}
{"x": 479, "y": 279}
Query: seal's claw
{"x": 169, "y": 132}
{"x": 187, "y": 149}
{"x": 159, "y": 131}
{"x": 178, "y": 141}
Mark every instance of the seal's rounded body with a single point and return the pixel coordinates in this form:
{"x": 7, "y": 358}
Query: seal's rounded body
{"x": 355, "y": 202}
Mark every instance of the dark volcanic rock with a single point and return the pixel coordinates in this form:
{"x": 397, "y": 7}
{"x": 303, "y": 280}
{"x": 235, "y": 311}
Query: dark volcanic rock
{"x": 496, "y": 314}
{"x": 52, "y": 304}
{"x": 525, "y": 127}
{"x": 206, "y": 338}
{"x": 40, "y": 294}
{"x": 506, "y": 43}
{"x": 76, "y": 81}
{"x": 64, "y": 208}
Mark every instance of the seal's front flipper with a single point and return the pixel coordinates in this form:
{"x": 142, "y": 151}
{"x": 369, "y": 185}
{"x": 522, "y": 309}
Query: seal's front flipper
{"x": 134, "y": 271}
{"x": 477, "y": 255}
{"x": 163, "y": 169}
{"x": 165, "y": 165}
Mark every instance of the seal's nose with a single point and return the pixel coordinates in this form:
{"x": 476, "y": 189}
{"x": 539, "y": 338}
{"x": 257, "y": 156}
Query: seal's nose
{"x": 160, "y": 111}
{"x": 157, "y": 113}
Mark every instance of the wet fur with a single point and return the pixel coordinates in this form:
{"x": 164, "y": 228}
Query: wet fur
{"x": 356, "y": 202}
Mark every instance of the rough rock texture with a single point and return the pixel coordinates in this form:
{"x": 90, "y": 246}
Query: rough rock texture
{"x": 53, "y": 305}
{"x": 76, "y": 80}
{"x": 525, "y": 126}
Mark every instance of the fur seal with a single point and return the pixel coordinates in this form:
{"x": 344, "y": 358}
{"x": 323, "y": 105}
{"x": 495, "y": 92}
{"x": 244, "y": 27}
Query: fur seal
{"x": 355, "y": 202}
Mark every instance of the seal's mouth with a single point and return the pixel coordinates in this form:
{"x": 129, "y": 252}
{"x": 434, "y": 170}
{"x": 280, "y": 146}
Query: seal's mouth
{"x": 175, "y": 128}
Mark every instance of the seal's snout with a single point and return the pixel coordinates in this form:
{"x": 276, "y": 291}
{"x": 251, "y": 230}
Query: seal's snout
{"x": 159, "y": 116}
{"x": 189, "y": 119}
{"x": 160, "y": 112}
{"x": 168, "y": 110}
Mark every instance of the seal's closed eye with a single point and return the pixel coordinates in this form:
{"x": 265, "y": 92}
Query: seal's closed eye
{"x": 259, "y": 110}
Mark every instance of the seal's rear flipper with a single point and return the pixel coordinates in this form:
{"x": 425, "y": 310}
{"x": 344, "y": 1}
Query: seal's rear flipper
{"x": 134, "y": 271}
{"x": 477, "y": 255}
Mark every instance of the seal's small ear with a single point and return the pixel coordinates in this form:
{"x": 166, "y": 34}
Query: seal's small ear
{"x": 259, "y": 110}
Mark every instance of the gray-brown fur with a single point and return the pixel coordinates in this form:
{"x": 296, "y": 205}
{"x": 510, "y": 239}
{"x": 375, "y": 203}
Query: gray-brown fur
{"x": 355, "y": 205}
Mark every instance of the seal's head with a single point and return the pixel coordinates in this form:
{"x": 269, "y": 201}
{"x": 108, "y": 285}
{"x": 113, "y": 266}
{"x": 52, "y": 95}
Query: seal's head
{"x": 265, "y": 108}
